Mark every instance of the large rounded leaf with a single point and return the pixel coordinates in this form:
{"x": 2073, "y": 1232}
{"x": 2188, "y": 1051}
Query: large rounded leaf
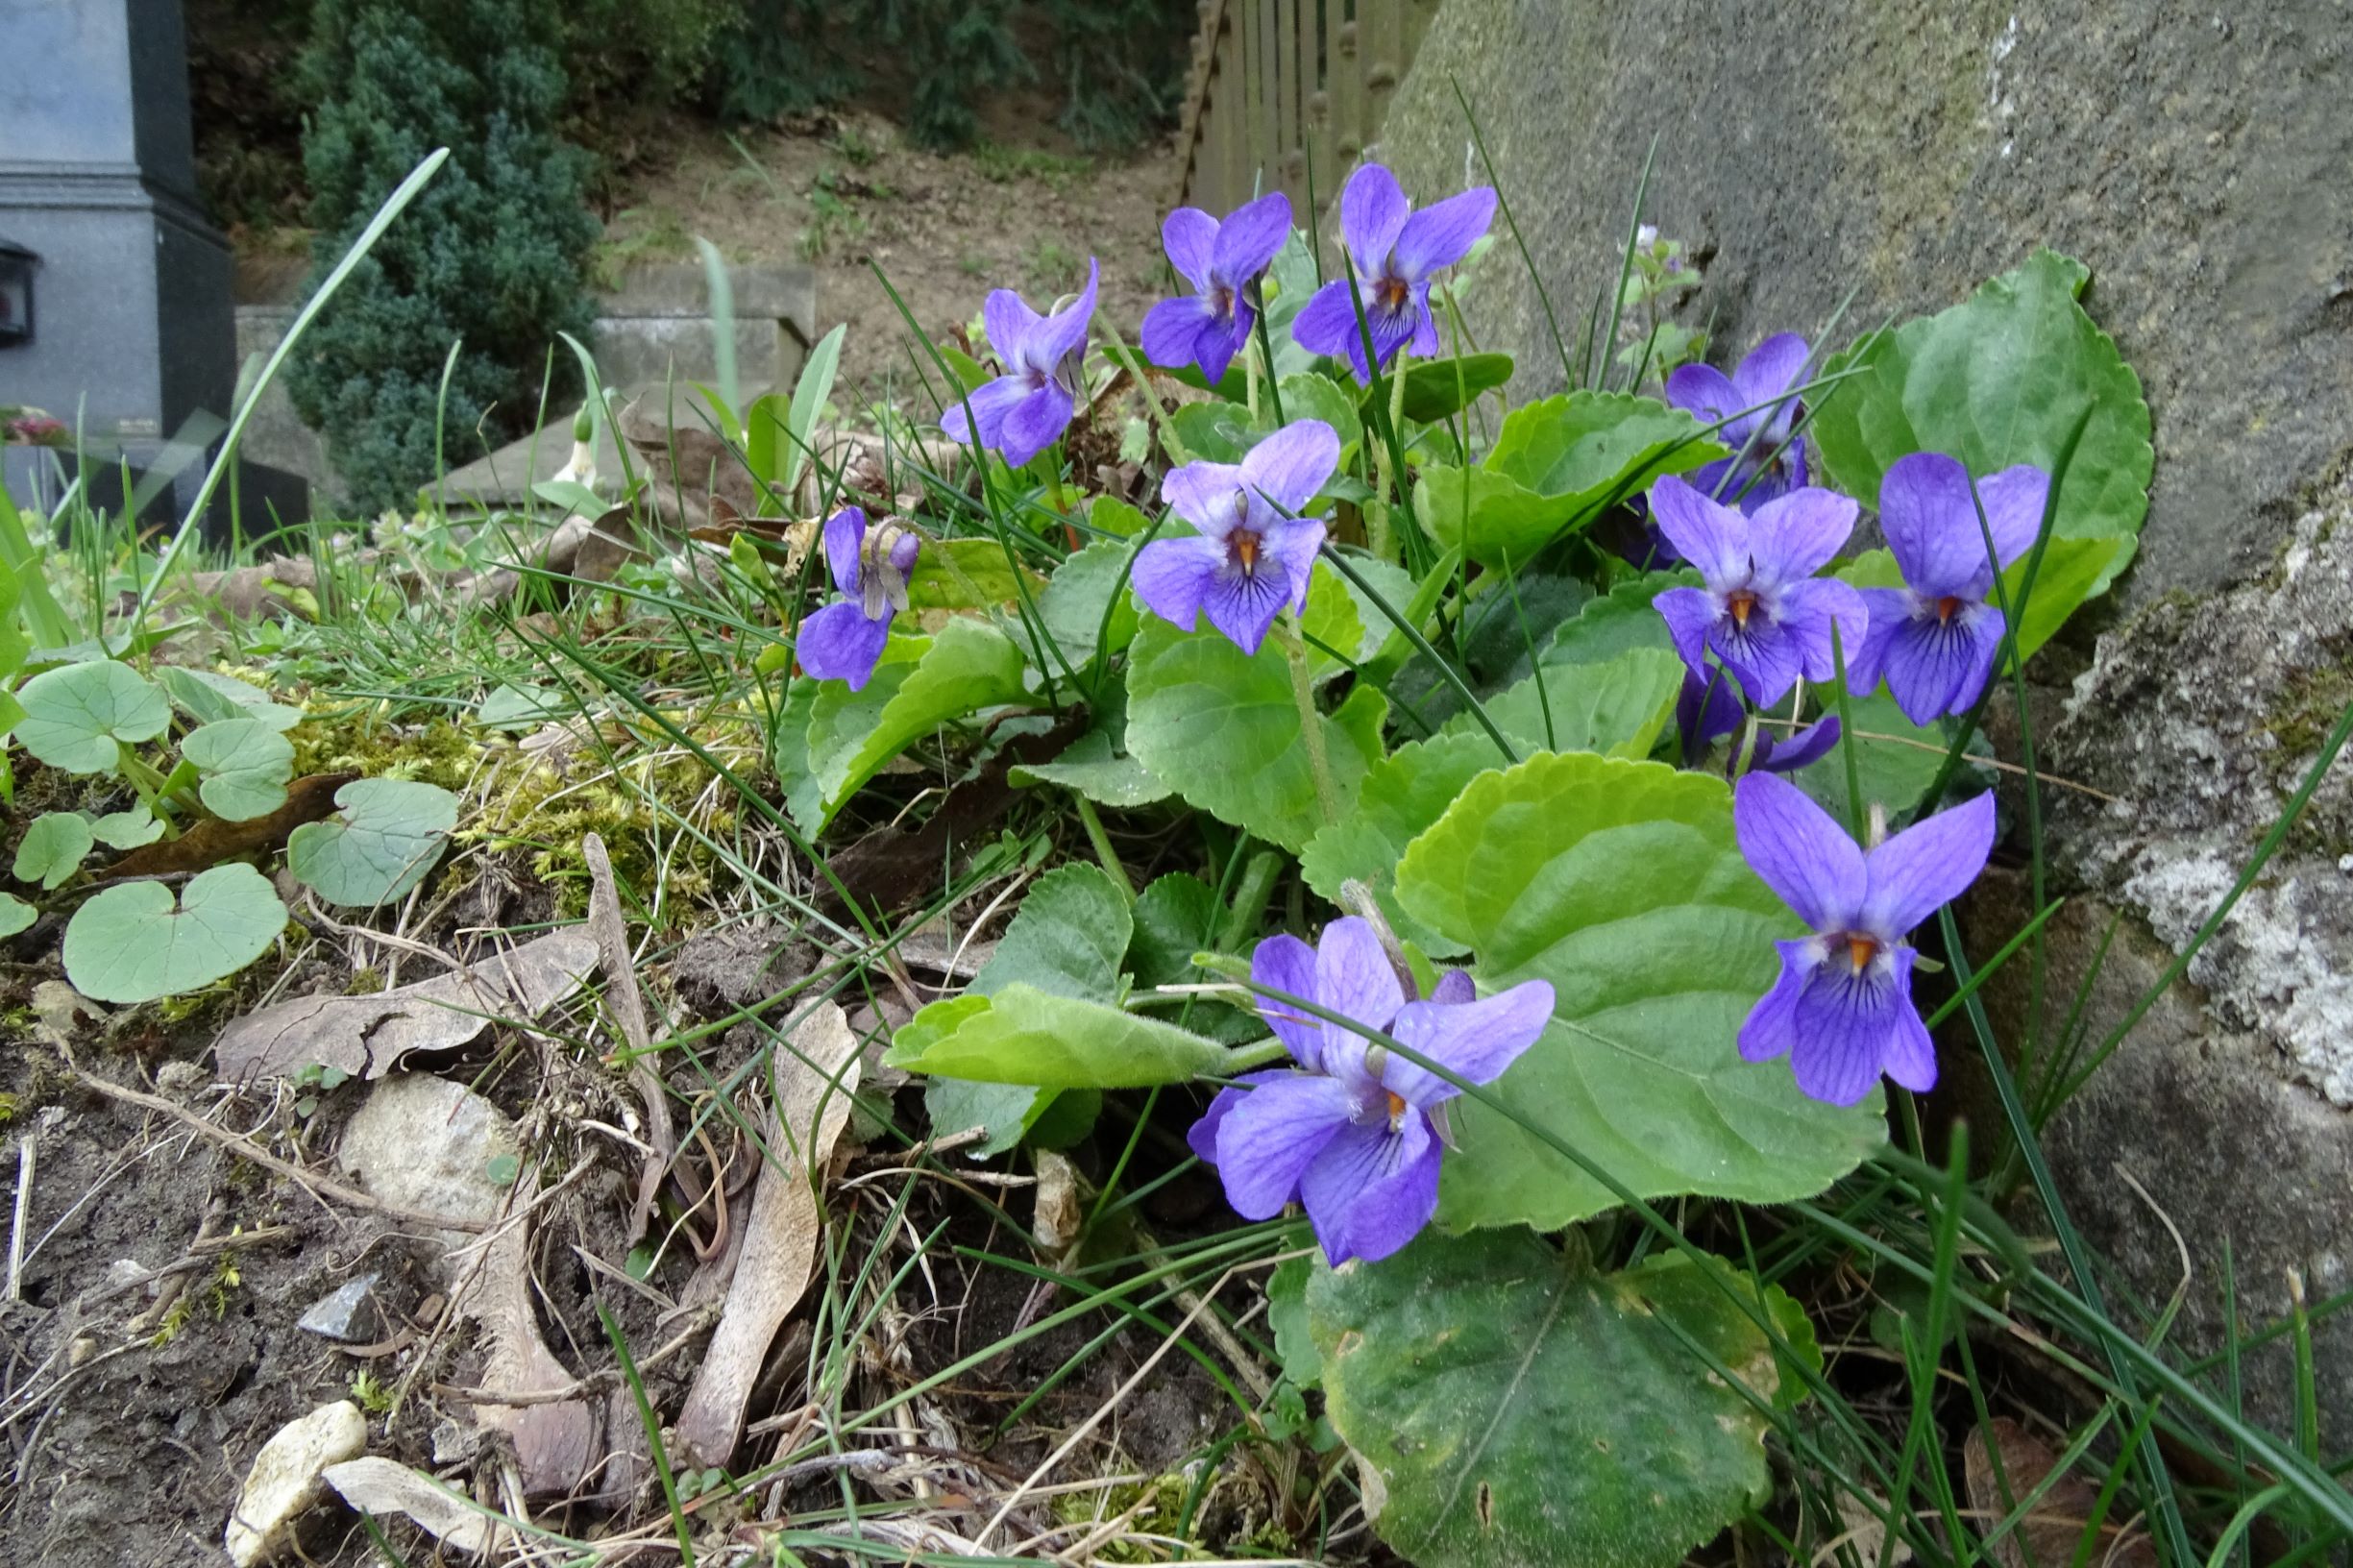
{"x": 386, "y": 837}
{"x": 2001, "y": 380}
{"x": 1023, "y": 1035}
{"x": 968, "y": 667}
{"x": 1621, "y": 884}
{"x": 76, "y": 714}
{"x": 133, "y": 942}
{"x": 1221, "y": 726}
{"x": 1403, "y": 795}
{"x": 1519, "y": 1408}
{"x": 51, "y": 849}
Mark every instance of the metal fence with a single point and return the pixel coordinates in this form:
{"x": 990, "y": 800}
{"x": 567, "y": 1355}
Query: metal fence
{"x": 1282, "y": 89}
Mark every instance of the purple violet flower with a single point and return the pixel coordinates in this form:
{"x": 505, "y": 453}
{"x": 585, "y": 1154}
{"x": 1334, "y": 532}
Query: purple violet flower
{"x": 870, "y": 566}
{"x": 1021, "y": 412}
{"x": 1763, "y": 611}
{"x": 1223, "y": 261}
{"x": 1253, "y": 552}
{"x": 1767, "y": 461}
{"x": 1353, "y": 1134}
{"x": 1708, "y": 710}
{"x": 1935, "y": 638}
{"x": 1396, "y": 250}
{"x": 1842, "y": 1010}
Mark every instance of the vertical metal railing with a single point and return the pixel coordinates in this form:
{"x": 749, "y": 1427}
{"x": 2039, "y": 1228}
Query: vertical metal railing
{"x": 1279, "y": 88}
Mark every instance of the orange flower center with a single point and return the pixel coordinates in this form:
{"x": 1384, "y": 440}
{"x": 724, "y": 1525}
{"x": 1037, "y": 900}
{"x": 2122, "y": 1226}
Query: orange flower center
{"x": 1740, "y": 602}
{"x": 1946, "y": 608}
{"x": 1861, "y": 950}
{"x": 1397, "y": 1108}
{"x": 1246, "y": 550}
{"x": 1391, "y": 292}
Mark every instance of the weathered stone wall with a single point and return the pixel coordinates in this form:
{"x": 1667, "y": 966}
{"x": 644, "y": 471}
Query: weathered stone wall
{"x": 2200, "y": 160}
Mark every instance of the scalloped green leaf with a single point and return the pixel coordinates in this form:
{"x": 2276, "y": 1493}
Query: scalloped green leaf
{"x": 1212, "y": 431}
{"x": 968, "y": 667}
{"x": 1022, "y": 1035}
{"x": 1617, "y": 706}
{"x": 1520, "y": 1408}
{"x": 1068, "y": 940}
{"x": 1620, "y": 883}
{"x": 1221, "y": 726}
{"x": 244, "y": 764}
{"x": 1404, "y": 793}
{"x": 1997, "y": 380}
{"x": 1556, "y": 463}
{"x": 77, "y": 714}
{"x": 1311, "y": 396}
{"x": 387, "y": 836}
{"x": 964, "y": 575}
{"x": 1622, "y": 618}
{"x": 129, "y": 828}
{"x": 51, "y": 849}
{"x": 1435, "y": 388}
{"x": 16, "y": 915}
{"x": 135, "y": 943}
{"x": 1078, "y": 607}
{"x": 208, "y": 697}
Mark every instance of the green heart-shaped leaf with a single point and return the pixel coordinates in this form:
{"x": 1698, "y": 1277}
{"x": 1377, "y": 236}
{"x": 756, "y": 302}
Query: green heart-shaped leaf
{"x": 133, "y": 942}
{"x": 380, "y": 843}
{"x": 51, "y": 849}
{"x": 1520, "y": 1408}
{"x": 1022, "y": 1035}
{"x": 77, "y": 715}
{"x": 245, "y": 764}
{"x": 209, "y": 697}
{"x": 16, "y": 915}
{"x": 1403, "y": 795}
{"x": 127, "y": 829}
{"x": 968, "y": 667}
{"x": 1617, "y": 707}
{"x": 1077, "y": 605}
{"x": 1620, "y": 883}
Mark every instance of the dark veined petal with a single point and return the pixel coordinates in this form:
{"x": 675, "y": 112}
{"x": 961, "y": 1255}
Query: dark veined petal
{"x": 1202, "y": 1139}
{"x": 1803, "y": 749}
{"x": 1926, "y": 867}
{"x": 1289, "y": 466}
{"x": 1370, "y": 1189}
{"x": 1847, "y": 1024}
{"x": 1327, "y": 323}
{"x": 1009, "y": 321}
{"x": 1174, "y": 577}
{"x": 1763, "y": 656}
{"x": 1931, "y": 525}
{"x": 1293, "y": 544}
{"x": 1250, "y": 236}
{"x": 1768, "y": 1032}
{"x": 1709, "y": 395}
{"x": 1443, "y": 232}
{"x": 1172, "y": 329}
{"x": 1219, "y": 340}
{"x": 844, "y": 532}
{"x": 1373, "y": 209}
{"x": 1285, "y": 963}
{"x": 1887, "y": 610}
{"x": 1690, "y": 616}
{"x": 1032, "y": 425}
{"x": 1477, "y": 1039}
{"x": 1189, "y": 236}
{"x": 1935, "y": 667}
{"x": 1910, "y": 1054}
{"x": 1266, "y": 1142}
{"x": 1804, "y": 857}
{"x": 1711, "y": 537}
{"x": 1794, "y": 536}
{"x": 839, "y": 643}
{"x": 1243, "y": 605}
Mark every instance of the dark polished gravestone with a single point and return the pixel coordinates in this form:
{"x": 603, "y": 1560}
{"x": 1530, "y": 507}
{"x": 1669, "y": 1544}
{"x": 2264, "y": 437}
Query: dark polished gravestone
{"x": 134, "y": 337}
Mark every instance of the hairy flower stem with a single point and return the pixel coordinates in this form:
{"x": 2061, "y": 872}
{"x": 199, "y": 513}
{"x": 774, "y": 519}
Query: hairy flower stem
{"x": 1248, "y": 911}
{"x": 1311, "y": 724}
{"x": 1103, "y": 850}
{"x": 1266, "y": 359}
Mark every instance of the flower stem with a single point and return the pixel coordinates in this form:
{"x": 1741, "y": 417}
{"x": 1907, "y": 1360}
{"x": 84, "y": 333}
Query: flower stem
{"x": 1311, "y": 723}
{"x": 1103, "y": 850}
{"x": 1248, "y": 910}
{"x": 1266, "y": 359}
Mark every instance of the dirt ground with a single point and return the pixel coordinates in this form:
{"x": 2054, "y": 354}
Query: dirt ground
{"x": 844, "y": 192}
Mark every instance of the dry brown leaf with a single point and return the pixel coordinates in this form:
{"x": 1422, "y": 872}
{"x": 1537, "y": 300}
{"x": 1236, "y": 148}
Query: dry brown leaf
{"x": 1060, "y": 1209}
{"x": 555, "y": 1442}
{"x": 2047, "y": 1537}
{"x": 367, "y": 1035}
{"x": 815, "y": 1081}
{"x": 310, "y": 798}
{"x": 621, "y": 993}
{"x": 378, "y": 1485}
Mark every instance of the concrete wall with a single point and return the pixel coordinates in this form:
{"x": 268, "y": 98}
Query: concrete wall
{"x": 2199, "y": 158}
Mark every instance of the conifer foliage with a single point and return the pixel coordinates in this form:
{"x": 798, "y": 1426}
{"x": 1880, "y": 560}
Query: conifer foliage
{"x": 494, "y": 253}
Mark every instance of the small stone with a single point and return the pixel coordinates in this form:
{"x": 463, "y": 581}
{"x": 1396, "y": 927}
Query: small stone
{"x": 430, "y": 1144}
{"x": 125, "y": 1272}
{"x": 83, "y": 1348}
{"x": 456, "y": 1442}
{"x": 285, "y": 1481}
{"x": 347, "y": 1314}
{"x": 180, "y": 1080}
